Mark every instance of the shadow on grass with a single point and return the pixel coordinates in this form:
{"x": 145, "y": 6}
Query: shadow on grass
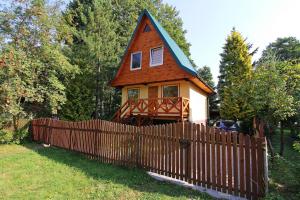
{"x": 133, "y": 178}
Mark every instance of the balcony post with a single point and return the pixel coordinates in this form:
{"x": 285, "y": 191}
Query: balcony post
{"x": 181, "y": 108}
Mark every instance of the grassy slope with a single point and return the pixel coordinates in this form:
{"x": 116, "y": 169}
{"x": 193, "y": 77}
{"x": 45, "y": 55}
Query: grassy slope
{"x": 34, "y": 172}
{"x": 284, "y": 172}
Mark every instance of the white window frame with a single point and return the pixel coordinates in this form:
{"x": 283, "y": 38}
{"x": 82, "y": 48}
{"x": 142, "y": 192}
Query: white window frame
{"x": 132, "y": 69}
{"x": 162, "y": 60}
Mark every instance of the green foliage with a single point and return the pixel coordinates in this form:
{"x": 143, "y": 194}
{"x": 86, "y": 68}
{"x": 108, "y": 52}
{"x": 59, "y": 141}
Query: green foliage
{"x": 235, "y": 72}
{"x": 6, "y": 137}
{"x": 287, "y": 53}
{"x": 271, "y": 99}
{"x": 285, "y": 49}
{"x": 13, "y": 137}
{"x": 296, "y": 146}
{"x": 34, "y": 68}
{"x": 205, "y": 74}
{"x": 101, "y": 31}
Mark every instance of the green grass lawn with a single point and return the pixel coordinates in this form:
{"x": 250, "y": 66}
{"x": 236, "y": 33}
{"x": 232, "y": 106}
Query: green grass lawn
{"x": 284, "y": 172}
{"x": 33, "y": 172}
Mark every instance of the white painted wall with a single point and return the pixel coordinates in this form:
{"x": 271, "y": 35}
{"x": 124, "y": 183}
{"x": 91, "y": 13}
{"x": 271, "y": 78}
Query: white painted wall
{"x": 198, "y": 105}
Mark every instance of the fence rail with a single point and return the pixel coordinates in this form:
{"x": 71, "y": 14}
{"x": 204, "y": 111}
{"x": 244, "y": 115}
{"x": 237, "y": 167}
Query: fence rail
{"x": 223, "y": 161}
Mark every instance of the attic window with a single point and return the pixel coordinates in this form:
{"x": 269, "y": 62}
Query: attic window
{"x": 136, "y": 60}
{"x": 156, "y": 56}
{"x": 147, "y": 28}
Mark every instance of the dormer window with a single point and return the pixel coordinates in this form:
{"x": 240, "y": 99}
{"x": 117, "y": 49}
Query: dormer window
{"x": 136, "y": 60}
{"x": 156, "y": 56}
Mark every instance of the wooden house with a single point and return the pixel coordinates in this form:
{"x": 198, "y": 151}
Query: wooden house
{"x": 157, "y": 79}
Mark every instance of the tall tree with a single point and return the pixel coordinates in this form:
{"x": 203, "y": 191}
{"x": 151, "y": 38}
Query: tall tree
{"x": 271, "y": 99}
{"x": 235, "y": 70}
{"x": 287, "y": 52}
{"x": 205, "y": 74}
{"x": 95, "y": 51}
{"x": 115, "y": 20}
{"x": 34, "y": 67}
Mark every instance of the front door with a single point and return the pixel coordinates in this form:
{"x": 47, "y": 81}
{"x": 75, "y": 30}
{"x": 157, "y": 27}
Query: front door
{"x": 153, "y": 99}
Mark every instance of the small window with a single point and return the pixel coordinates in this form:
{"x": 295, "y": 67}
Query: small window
{"x": 156, "y": 56}
{"x": 133, "y": 94}
{"x": 147, "y": 28}
{"x": 170, "y": 91}
{"x": 136, "y": 61}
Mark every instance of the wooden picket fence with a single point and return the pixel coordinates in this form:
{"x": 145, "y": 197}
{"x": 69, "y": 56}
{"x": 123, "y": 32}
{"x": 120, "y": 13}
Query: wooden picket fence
{"x": 224, "y": 161}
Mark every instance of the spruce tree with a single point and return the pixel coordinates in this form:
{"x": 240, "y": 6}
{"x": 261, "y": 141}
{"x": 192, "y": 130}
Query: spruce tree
{"x": 235, "y": 71}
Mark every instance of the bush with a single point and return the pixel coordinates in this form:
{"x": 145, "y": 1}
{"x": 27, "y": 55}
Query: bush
{"x": 6, "y": 136}
{"x": 9, "y": 137}
{"x": 296, "y": 144}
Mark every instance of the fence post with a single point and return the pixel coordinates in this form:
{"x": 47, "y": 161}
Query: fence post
{"x": 50, "y": 131}
{"x": 266, "y": 178}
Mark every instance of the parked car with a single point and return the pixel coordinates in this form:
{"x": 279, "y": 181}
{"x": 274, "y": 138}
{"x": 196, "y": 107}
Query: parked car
{"x": 227, "y": 125}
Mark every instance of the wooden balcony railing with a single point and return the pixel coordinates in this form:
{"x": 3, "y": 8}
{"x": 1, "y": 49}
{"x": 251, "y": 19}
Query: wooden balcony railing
{"x": 176, "y": 107}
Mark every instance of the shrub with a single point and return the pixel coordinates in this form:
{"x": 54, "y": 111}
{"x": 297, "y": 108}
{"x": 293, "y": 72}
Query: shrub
{"x": 8, "y": 137}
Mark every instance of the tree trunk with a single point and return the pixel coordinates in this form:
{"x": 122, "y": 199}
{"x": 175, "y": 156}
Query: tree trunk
{"x": 269, "y": 141}
{"x": 102, "y": 101}
{"x": 15, "y": 123}
{"x": 271, "y": 149}
{"x": 97, "y": 91}
{"x": 281, "y": 139}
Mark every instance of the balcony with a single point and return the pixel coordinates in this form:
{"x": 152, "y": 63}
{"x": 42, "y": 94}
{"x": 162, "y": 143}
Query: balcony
{"x": 173, "y": 108}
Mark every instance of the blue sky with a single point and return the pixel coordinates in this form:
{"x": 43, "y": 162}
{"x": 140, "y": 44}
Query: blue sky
{"x": 208, "y": 22}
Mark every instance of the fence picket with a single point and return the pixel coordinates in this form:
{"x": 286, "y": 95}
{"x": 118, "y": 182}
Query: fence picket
{"x": 208, "y": 156}
{"x": 177, "y": 147}
{"x": 254, "y": 167}
{"x": 235, "y": 164}
{"x": 247, "y": 152}
{"x": 203, "y": 142}
{"x": 229, "y": 161}
{"x": 213, "y": 160}
{"x": 194, "y": 151}
{"x": 241, "y": 166}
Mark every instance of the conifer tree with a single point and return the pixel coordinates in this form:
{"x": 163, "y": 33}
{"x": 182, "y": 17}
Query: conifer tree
{"x": 235, "y": 71}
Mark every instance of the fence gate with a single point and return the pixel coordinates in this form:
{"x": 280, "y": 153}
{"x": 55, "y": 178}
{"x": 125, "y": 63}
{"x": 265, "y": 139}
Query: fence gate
{"x": 224, "y": 161}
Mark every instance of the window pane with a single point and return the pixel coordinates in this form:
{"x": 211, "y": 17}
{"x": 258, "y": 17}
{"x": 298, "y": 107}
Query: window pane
{"x": 170, "y": 91}
{"x": 157, "y": 56}
{"x": 133, "y": 94}
{"x": 136, "y": 60}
